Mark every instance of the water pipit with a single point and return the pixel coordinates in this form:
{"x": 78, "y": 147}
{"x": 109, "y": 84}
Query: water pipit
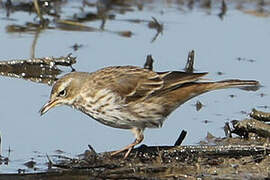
{"x": 130, "y": 97}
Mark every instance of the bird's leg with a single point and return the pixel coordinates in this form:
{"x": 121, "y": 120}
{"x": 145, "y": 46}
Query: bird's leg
{"x": 138, "y": 133}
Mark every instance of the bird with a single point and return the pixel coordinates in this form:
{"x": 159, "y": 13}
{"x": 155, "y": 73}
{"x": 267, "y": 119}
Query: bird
{"x": 130, "y": 97}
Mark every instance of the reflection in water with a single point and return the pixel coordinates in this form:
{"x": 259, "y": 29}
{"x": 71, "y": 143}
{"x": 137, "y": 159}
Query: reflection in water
{"x": 44, "y": 7}
{"x": 223, "y": 10}
{"x": 48, "y": 13}
{"x": 155, "y": 25}
{"x": 76, "y": 46}
{"x": 40, "y": 70}
{"x": 3, "y": 160}
{"x": 49, "y": 18}
{"x": 34, "y": 43}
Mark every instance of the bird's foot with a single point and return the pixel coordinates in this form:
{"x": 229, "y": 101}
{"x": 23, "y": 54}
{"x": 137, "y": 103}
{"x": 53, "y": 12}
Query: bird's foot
{"x": 139, "y": 138}
{"x": 122, "y": 150}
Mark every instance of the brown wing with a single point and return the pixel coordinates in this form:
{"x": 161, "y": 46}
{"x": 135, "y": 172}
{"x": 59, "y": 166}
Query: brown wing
{"x": 175, "y": 79}
{"x": 134, "y": 83}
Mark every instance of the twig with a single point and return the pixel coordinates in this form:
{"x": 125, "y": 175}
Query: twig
{"x": 92, "y": 149}
{"x": 227, "y": 130}
{"x": 190, "y": 62}
{"x": 149, "y": 62}
{"x": 180, "y": 138}
{"x": 50, "y": 163}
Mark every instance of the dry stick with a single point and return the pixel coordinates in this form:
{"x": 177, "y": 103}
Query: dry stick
{"x": 227, "y": 130}
{"x": 50, "y": 163}
{"x": 77, "y": 26}
{"x": 180, "y": 138}
{"x": 92, "y": 149}
{"x": 190, "y": 62}
{"x": 149, "y": 62}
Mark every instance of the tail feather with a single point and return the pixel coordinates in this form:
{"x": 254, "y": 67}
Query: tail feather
{"x": 174, "y": 97}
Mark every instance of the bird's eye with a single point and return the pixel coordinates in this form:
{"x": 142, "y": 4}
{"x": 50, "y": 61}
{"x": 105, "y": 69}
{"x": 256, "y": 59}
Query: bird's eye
{"x": 62, "y": 93}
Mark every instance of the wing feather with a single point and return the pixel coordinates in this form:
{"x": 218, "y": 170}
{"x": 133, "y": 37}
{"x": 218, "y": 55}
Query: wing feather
{"x": 134, "y": 83}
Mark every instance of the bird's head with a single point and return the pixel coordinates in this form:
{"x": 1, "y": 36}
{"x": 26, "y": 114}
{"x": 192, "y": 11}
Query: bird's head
{"x": 64, "y": 91}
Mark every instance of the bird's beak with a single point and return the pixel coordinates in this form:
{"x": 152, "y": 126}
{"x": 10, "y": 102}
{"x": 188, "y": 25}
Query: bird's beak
{"x": 48, "y": 106}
